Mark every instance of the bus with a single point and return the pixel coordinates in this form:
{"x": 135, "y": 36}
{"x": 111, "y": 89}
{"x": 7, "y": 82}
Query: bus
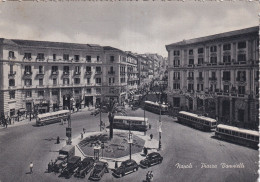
{"x": 53, "y": 117}
{"x": 196, "y": 121}
{"x": 155, "y": 107}
{"x": 135, "y": 123}
{"x": 245, "y": 137}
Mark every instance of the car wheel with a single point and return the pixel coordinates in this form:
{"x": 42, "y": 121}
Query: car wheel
{"x": 120, "y": 175}
{"x": 160, "y": 161}
{"x": 135, "y": 169}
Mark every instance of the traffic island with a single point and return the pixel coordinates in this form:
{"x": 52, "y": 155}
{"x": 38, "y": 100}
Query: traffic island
{"x": 114, "y": 151}
{"x": 117, "y": 147}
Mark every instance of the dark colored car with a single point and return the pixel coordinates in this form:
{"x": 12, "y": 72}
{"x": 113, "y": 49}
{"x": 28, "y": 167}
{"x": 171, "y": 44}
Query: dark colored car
{"x": 60, "y": 164}
{"x": 98, "y": 171}
{"x": 151, "y": 159}
{"x": 72, "y": 166}
{"x": 84, "y": 167}
{"x": 126, "y": 167}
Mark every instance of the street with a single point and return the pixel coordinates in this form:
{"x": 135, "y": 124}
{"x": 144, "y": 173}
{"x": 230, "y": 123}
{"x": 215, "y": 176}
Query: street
{"x": 182, "y": 146}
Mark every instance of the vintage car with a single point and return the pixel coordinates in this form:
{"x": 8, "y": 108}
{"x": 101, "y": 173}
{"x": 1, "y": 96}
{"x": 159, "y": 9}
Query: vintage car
{"x": 98, "y": 171}
{"x": 71, "y": 167}
{"x": 95, "y": 112}
{"x": 84, "y": 167}
{"x": 126, "y": 167}
{"x": 60, "y": 163}
{"x": 151, "y": 159}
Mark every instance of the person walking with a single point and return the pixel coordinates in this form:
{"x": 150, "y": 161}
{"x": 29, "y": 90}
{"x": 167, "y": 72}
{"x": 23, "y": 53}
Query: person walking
{"x": 31, "y": 167}
{"x": 148, "y": 176}
{"x": 151, "y": 176}
{"x": 58, "y": 140}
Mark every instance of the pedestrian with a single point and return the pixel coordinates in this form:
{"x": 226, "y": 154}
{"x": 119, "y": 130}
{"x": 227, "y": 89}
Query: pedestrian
{"x": 81, "y": 135}
{"x": 84, "y": 130}
{"x": 151, "y": 176}
{"x": 58, "y": 140}
{"x": 31, "y": 167}
{"x": 147, "y": 176}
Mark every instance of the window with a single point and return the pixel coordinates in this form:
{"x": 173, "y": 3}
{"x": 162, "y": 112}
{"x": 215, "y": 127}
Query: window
{"x": 241, "y": 57}
{"x": 98, "y": 81}
{"x": 213, "y": 74}
{"x": 27, "y": 69}
{"x": 176, "y": 75}
{"x": 200, "y": 60}
{"x": 77, "y": 70}
{"x": 241, "y": 76}
{"x": 54, "y": 57}
{"x": 176, "y": 62}
{"x": 213, "y": 59}
{"x": 11, "y": 68}
{"x": 226, "y": 75}
{"x": 98, "y": 58}
{"x": 66, "y": 81}
{"x": 98, "y": 69}
{"x": 28, "y": 82}
{"x": 191, "y": 74}
{"x": 226, "y": 47}
{"x": 241, "y": 90}
{"x": 111, "y": 80}
{"x": 98, "y": 91}
{"x": 88, "y": 90}
{"x": 226, "y": 58}
{"x": 66, "y": 57}
{"x": 40, "y": 81}
{"x": 257, "y": 90}
{"x": 88, "y": 58}
{"x": 76, "y": 57}
{"x": 88, "y": 81}
{"x": 191, "y": 61}
{"x": 200, "y": 74}
{"x": 66, "y": 70}
{"x": 12, "y": 94}
{"x": 88, "y": 68}
{"x": 226, "y": 88}
{"x": 241, "y": 45}
{"x": 213, "y": 49}
{"x": 40, "y": 69}
{"x": 190, "y": 87}
{"x": 54, "y": 69}
{"x": 28, "y": 93}
{"x": 40, "y": 56}
{"x": 112, "y": 58}
{"x": 200, "y": 50}
{"x": 12, "y": 112}
{"x": 54, "y": 81}
{"x": 41, "y": 93}
{"x": 191, "y": 52}
{"x": 11, "y": 54}
{"x": 11, "y": 82}
{"x": 27, "y": 56}
{"x": 176, "y": 52}
{"x": 176, "y": 86}
{"x": 77, "y": 80}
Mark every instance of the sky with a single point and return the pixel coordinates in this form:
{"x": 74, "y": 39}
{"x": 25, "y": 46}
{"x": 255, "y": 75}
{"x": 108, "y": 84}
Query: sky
{"x": 140, "y": 27}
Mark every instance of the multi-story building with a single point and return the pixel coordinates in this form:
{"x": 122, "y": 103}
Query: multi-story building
{"x": 218, "y": 75}
{"x": 143, "y": 68}
{"x": 48, "y": 75}
{"x": 132, "y": 72}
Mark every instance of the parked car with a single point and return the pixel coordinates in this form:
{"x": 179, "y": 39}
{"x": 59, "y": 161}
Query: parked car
{"x": 85, "y": 167}
{"x": 95, "y": 112}
{"x": 126, "y": 167}
{"x": 151, "y": 159}
{"x": 60, "y": 163}
{"x": 71, "y": 167}
{"x": 98, "y": 171}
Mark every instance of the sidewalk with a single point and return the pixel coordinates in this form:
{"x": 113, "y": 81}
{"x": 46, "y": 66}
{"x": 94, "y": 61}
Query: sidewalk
{"x": 33, "y": 121}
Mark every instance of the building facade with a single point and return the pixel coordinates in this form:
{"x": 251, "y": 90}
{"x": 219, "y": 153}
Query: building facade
{"x": 217, "y": 75}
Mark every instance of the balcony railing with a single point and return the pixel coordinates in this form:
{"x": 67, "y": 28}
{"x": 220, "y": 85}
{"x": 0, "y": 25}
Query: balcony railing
{"x": 111, "y": 72}
{"x": 190, "y": 78}
{"x": 40, "y": 73}
{"x": 226, "y": 79}
{"x": 240, "y": 79}
{"x": 98, "y": 72}
{"x": 54, "y": 72}
{"x": 176, "y": 78}
{"x": 66, "y": 72}
{"x": 77, "y": 73}
{"x": 12, "y": 73}
{"x": 27, "y": 73}
{"x": 212, "y": 78}
{"x": 200, "y": 78}
{"x": 88, "y": 72}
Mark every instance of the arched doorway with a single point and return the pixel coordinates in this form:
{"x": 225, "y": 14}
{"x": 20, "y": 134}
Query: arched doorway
{"x": 226, "y": 110}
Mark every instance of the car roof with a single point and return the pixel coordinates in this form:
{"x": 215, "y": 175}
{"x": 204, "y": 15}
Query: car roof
{"x": 153, "y": 154}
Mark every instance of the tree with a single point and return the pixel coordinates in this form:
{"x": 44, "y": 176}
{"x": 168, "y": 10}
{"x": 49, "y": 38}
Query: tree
{"x": 112, "y": 108}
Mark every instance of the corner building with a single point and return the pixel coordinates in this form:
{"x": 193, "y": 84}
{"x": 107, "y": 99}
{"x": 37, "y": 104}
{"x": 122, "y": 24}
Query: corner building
{"x": 217, "y": 75}
{"x": 47, "y": 76}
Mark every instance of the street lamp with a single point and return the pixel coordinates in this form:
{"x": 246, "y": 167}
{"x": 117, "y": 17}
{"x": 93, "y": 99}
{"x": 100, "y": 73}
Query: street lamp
{"x": 130, "y": 141}
{"x": 100, "y": 116}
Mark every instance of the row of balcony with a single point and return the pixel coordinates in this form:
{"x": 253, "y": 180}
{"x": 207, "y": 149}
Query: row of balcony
{"x": 217, "y": 64}
{"x": 60, "y": 60}
{"x": 238, "y": 79}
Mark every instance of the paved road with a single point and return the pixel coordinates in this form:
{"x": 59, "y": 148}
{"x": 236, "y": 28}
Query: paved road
{"x": 181, "y": 145}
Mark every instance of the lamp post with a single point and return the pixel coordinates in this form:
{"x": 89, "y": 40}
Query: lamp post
{"x": 100, "y": 116}
{"x": 130, "y": 141}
